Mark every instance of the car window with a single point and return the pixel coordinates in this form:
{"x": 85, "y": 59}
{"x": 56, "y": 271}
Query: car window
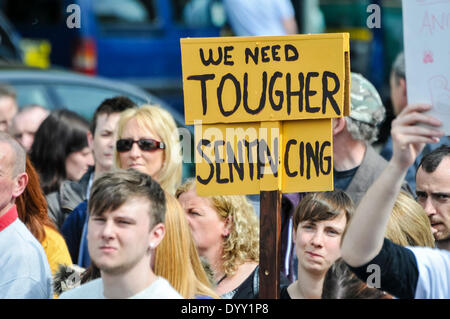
{"x": 32, "y": 94}
{"x": 124, "y": 11}
{"x": 84, "y": 100}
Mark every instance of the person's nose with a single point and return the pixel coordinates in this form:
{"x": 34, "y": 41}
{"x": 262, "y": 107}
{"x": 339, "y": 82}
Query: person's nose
{"x": 111, "y": 143}
{"x": 429, "y": 207}
{"x": 135, "y": 151}
{"x": 107, "y": 231}
{"x": 317, "y": 238}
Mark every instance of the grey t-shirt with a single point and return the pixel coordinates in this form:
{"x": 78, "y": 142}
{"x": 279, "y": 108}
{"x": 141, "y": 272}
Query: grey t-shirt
{"x": 159, "y": 289}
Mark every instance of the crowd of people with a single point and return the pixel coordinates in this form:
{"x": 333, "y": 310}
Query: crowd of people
{"x": 104, "y": 202}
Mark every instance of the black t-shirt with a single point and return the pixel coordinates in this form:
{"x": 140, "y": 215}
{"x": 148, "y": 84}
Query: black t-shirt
{"x": 398, "y": 268}
{"x": 284, "y": 294}
{"x": 342, "y": 179}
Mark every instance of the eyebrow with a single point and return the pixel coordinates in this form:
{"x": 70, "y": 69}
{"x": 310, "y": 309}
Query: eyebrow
{"x": 440, "y": 194}
{"x": 432, "y": 194}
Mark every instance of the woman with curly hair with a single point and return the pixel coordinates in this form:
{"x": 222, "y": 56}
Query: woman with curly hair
{"x": 226, "y": 232}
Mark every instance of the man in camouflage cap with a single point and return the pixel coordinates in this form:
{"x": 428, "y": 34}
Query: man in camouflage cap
{"x": 356, "y": 164}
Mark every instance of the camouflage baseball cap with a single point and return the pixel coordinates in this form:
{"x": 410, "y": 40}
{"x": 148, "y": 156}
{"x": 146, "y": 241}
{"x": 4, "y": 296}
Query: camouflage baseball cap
{"x": 366, "y": 104}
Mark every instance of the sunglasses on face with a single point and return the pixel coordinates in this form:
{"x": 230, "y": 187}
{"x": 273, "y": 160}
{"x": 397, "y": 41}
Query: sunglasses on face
{"x": 145, "y": 144}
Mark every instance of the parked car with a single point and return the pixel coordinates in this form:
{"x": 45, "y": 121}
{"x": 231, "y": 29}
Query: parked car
{"x": 57, "y": 88}
{"x": 137, "y": 41}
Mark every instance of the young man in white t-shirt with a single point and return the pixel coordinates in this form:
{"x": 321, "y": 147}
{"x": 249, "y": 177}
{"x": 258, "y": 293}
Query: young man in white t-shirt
{"x": 126, "y": 223}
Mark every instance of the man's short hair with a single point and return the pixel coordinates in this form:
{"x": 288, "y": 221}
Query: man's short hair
{"x": 7, "y": 90}
{"x": 19, "y": 159}
{"x": 398, "y": 67}
{"x": 112, "y": 105}
{"x": 113, "y": 189}
{"x": 431, "y": 161}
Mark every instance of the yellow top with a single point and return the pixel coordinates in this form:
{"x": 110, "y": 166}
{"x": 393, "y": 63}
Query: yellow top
{"x": 56, "y": 249}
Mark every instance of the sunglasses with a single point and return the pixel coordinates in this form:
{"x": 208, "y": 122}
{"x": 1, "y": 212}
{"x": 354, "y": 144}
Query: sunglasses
{"x": 145, "y": 144}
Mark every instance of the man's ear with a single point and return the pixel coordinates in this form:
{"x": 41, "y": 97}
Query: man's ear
{"x": 90, "y": 139}
{"x": 338, "y": 124}
{"x": 21, "y": 182}
{"x": 156, "y": 235}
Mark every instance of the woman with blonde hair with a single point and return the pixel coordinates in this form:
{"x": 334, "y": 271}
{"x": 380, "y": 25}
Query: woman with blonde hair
{"x": 226, "y": 232}
{"x": 172, "y": 254}
{"x": 148, "y": 141}
{"x": 408, "y": 223}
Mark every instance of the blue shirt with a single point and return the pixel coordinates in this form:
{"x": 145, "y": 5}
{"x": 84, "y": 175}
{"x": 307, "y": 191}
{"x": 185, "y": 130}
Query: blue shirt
{"x": 74, "y": 231}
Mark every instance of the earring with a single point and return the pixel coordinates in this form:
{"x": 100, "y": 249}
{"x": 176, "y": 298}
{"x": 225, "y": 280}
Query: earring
{"x": 152, "y": 245}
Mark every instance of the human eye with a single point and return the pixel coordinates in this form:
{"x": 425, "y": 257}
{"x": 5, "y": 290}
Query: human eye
{"x": 106, "y": 134}
{"x": 333, "y": 232}
{"x": 442, "y": 197}
{"x": 193, "y": 212}
{"x": 421, "y": 196}
{"x": 308, "y": 226}
{"x": 98, "y": 219}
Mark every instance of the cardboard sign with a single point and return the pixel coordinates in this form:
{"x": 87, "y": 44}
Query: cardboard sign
{"x": 426, "y": 30}
{"x": 294, "y": 156}
{"x": 256, "y": 79}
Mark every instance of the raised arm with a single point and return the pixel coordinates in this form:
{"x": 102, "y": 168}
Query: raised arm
{"x": 364, "y": 237}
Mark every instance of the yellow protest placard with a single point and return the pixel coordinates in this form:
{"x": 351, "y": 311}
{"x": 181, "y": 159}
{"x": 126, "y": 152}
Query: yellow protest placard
{"x": 246, "y": 158}
{"x": 256, "y": 79}
{"x": 307, "y": 156}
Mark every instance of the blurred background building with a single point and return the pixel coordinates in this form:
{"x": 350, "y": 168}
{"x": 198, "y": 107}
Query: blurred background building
{"x": 137, "y": 41}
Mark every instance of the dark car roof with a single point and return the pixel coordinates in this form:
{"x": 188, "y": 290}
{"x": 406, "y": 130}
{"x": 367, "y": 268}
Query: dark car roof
{"x": 25, "y": 74}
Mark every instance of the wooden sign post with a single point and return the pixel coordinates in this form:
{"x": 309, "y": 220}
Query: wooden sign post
{"x": 262, "y": 109}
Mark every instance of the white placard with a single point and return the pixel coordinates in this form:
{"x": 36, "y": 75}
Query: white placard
{"x": 426, "y": 35}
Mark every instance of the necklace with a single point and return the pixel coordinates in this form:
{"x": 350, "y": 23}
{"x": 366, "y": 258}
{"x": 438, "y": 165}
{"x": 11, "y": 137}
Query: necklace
{"x": 221, "y": 279}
